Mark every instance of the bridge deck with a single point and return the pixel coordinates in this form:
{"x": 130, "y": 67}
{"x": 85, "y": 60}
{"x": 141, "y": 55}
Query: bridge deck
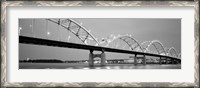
{"x": 38, "y": 41}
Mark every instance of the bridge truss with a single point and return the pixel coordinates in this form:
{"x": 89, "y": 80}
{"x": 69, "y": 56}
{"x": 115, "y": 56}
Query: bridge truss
{"x": 77, "y": 29}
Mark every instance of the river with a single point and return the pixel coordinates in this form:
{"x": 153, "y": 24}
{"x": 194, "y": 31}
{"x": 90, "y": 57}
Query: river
{"x": 97, "y": 66}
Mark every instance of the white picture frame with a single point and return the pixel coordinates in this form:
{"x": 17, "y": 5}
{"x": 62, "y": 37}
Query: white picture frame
{"x": 52, "y": 4}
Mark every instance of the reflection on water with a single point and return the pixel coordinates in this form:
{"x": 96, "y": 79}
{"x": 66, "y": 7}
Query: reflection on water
{"x": 97, "y": 66}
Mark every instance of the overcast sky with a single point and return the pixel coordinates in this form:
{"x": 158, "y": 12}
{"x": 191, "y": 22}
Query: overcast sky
{"x": 168, "y": 31}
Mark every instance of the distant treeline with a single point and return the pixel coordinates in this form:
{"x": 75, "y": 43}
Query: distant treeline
{"x": 113, "y": 61}
{"x": 50, "y": 61}
{"x": 43, "y": 61}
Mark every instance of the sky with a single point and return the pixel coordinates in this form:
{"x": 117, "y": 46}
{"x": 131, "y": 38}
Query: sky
{"x": 167, "y": 31}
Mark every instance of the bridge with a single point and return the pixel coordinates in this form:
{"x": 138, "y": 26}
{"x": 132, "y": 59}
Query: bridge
{"x": 91, "y": 43}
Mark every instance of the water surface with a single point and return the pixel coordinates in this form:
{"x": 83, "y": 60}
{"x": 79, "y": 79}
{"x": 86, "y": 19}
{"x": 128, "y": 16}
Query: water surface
{"x": 97, "y": 66}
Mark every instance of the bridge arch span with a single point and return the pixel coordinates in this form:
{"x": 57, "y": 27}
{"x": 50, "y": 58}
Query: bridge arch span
{"x": 153, "y": 43}
{"x": 128, "y": 39}
{"x": 144, "y": 44}
{"x": 179, "y": 55}
{"x": 174, "y": 50}
{"x": 77, "y": 29}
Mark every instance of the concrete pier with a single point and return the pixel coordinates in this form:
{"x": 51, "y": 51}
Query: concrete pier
{"x": 135, "y": 60}
{"x": 160, "y": 61}
{"x": 144, "y": 60}
{"x": 103, "y": 59}
{"x": 91, "y": 59}
{"x": 172, "y": 61}
{"x": 102, "y": 56}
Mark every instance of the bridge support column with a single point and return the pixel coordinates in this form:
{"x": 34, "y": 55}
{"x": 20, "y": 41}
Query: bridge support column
{"x": 92, "y": 56}
{"x": 175, "y": 62}
{"x": 103, "y": 59}
{"x": 166, "y": 60}
{"x": 135, "y": 60}
{"x": 172, "y": 61}
{"x": 91, "y": 59}
{"x": 160, "y": 61}
{"x": 144, "y": 60}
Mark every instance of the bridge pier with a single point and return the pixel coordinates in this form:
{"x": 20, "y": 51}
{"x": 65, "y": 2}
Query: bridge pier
{"x": 166, "y": 60}
{"x": 135, "y": 60}
{"x": 102, "y": 56}
{"x": 172, "y": 61}
{"x": 160, "y": 61}
{"x": 144, "y": 60}
{"x": 176, "y": 62}
{"x": 91, "y": 59}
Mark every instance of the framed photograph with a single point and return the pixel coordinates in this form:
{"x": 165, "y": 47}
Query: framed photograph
{"x": 100, "y": 43}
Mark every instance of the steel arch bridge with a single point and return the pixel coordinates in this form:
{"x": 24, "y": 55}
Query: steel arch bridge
{"x": 84, "y": 35}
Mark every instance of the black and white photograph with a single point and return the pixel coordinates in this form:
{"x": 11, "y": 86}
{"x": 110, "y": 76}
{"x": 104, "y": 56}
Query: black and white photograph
{"x": 99, "y": 43}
